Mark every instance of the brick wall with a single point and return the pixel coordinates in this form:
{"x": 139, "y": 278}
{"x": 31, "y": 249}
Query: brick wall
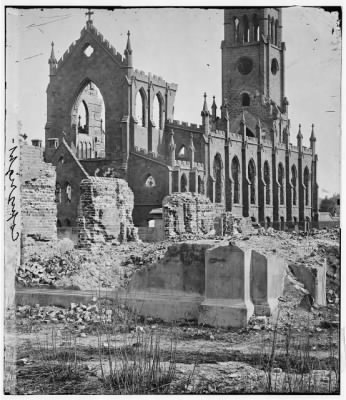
{"x": 105, "y": 214}
{"x": 37, "y": 196}
{"x": 190, "y": 213}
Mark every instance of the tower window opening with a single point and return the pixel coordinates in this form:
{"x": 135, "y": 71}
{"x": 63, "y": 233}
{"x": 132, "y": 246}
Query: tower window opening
{"x": 274, "y": 66}
{"x": 246, "y": 33}
{"x": 245, "y": 100}
{"x": 236, "y": 30}
{"x": 276, "y": 40}
{"x": 256, "y": 29}
{"x": 182, "y": 152}
{"x": 272, "y": 30}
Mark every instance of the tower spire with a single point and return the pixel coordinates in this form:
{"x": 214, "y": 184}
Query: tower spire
{"x": 313, "y": 139}
{"x": 205, "y": 111}
{"x": 213, "y": 109}
{"x": 128, "y": 51}
{"x": 52, "y": 61}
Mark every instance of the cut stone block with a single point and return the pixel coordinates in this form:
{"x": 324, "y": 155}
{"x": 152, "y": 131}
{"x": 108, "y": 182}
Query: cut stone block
{"x": 227, "y": 287}
{"x": 266, "y": 282}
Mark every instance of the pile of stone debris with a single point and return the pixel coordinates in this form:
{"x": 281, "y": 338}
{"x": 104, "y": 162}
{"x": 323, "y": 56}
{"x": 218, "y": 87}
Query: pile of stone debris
{"x": 38, "y": 271}
{"x": 79, "y": 314}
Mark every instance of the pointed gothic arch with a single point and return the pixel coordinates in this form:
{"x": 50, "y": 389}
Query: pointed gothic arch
{"x": 246, "y": 29}
{"x": 182, "y": 153}
{"x": 183, "y": 183}
{"x": 236, "y": 29}
{"x": 217, "y": 168}
{"x": 141, "y": 107}
{"x": 252, "y": 180}
{"x": 281, "y": 180}
{"x": 267, "y": 180}
{"x": 235, "y": 172}
{"x": 294, "y": 184}
{"x": 256, "y": 28}
{"x": 158, "y": 110}
{"x": 307, "y": 185}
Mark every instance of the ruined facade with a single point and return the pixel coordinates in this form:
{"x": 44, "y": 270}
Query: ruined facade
{"x": 106, "y": 118}
{"x": 37, "y": 196}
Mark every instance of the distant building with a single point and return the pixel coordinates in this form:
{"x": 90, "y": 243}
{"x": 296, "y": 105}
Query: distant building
{"x": 105, "y": 118}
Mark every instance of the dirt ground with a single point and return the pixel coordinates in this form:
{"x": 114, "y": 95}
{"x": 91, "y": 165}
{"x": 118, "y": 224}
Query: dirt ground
{"x": 75, "y": 350}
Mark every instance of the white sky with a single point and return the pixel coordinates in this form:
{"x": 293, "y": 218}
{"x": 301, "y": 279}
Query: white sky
{"x": 178, "y": 44}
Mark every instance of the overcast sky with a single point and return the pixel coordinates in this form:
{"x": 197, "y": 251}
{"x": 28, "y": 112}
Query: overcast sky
{"x": 183, "y": 46}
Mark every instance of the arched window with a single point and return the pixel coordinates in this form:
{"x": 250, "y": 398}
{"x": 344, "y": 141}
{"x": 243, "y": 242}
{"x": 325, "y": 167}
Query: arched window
{"x": 58, "y": 223}
{"x": 57, "y": 193}
{"x": 294, "y": 184}
{"x": 235, "y": 170}
{"x": 150, "y": 181}
{"x": 307, "y": 185}
{"x": 276, "y": 32}
{"x": 267, "y": 181}
{"x": 67, "y": 222}
{"x": 272, "y": 30}
{"x": 200, "y": 185}
{"x": 157, "y": 111}
{"x": 89, "y": 150}
{"x": 236, "y": 30}
{"x": 61, "y": 160}
{"x": 252, "y": 179}
{"x": 140, "y": 107}
{"x": 281, "y": 180}
{"x": 83, "y": 117}
{"x": 182, "y": 152}
{"x": 246, "y": 31}
{"x": 256, "y": 29}
{"x": 68, "y": 192}
{"x": 85, "y": 150}
{"x": 218, "y": 178}
{"x": 245, "y": 100}
{"x": 183, "y": 183}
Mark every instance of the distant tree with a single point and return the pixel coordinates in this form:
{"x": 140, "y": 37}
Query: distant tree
{"x": 330, "y": 204}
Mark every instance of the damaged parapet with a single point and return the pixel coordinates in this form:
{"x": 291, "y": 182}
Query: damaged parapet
{"x": 37, "y": 197}
{"x": 193, "y": 213}
{"x": 105, "y": 212}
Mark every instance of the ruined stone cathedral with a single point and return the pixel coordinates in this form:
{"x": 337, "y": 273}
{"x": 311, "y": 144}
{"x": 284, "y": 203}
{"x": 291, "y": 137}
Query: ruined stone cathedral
{"x": 107, "y": 119}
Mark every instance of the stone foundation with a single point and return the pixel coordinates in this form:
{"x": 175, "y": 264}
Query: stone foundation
{"x": 212, "y": 282}
{"x": 105, "y": 212}
{"x": 37, "y": 197}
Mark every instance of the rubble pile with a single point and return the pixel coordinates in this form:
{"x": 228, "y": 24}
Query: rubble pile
{"x": 106, "y": 206}
{"x": 39, "y": 271}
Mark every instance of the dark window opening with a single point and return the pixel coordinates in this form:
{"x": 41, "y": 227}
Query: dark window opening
{"x": 183, "y": 183}
{"x": 236, "y": 179}
{"x": 267, "y": 181}
{"x": 218, "y": 178}
{"x": 252, "y": 179}
{"x": 245, "y": 100}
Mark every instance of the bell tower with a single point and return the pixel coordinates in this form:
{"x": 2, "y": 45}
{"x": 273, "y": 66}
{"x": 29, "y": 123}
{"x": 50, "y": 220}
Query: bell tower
{"x": 253, "y": 65}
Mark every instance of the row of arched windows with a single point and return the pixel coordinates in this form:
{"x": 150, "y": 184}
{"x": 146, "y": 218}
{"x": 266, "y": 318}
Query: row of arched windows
{"x": 141, "y": 109}
{"x": 235, "y": 171}
{"x": 246, "y": 30}
{"x": 59, "y": 189}
{"x": 84, "y": 150}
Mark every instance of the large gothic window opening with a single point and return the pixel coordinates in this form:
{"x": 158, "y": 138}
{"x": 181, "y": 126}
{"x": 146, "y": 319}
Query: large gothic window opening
{"x": 281, "y": 179}
{"x": 157, "y": 111}
{"x": 307, "y": 185}
{"x": 294, "y": 184}
{"x": 88, "y": 121}
{"x": 218, "y": 178}
{"x": 252, "y": 179}
{"x": 235, "y": 169}
{"x": 246, "y": 32}
{"x": 141, "y": 107}
{"x": 276, "y": 41}
{"x": 200, "y": 185}
{"x": 236, "y": 30}
{"x": 272, "y": 30}
{"x": 182, "y": 153}
{"x": 267, "y": 181}
{"x": 183, "y": 183}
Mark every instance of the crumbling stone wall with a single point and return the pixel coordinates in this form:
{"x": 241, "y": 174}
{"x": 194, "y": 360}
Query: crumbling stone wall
{"x": 37, "y": 196}
{"x": 191, "y": 213}
{"x": 105, "y": 212}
